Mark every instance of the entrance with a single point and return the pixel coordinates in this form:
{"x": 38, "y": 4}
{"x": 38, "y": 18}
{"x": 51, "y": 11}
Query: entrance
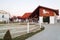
{"x": 46, "y": 19}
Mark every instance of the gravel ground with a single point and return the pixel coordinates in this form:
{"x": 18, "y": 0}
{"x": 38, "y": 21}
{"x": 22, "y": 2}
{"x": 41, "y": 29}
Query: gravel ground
{"x": 15, "y": 29}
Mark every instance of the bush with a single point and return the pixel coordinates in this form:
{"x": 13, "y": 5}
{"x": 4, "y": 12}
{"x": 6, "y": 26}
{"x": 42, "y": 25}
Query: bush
{"x": 7, "y": 36}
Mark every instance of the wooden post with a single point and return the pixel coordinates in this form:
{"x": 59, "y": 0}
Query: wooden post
{"x": 27, "y": 26}
{"x": 40, "y": 21}
{"x": 8, "y": 21}
{"x": 40, "y": 25}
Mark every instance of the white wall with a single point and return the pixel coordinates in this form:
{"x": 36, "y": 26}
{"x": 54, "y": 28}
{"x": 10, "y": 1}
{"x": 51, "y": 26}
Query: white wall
{"x": 55, "y": 19}
{"x": 41, "y": 19}
{"x": 0, "y": 17}
{"x": 6, "y": 17}
{"x": 52, "y": 19}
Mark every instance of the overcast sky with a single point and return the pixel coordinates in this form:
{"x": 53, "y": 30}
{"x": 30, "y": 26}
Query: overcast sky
{"x": 19, "y": 7}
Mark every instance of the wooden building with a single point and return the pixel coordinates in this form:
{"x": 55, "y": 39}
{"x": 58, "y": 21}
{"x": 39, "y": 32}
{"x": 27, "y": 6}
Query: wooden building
{"x": 43, "y": 14}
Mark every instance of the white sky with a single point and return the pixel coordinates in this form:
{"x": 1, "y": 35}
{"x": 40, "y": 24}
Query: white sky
{"x": 19, "y": 7}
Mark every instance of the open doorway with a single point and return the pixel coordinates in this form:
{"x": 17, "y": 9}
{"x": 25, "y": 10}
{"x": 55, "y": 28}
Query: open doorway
{"x": 46, "y": 19}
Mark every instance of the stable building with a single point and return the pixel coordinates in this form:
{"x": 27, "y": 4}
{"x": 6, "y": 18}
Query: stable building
{"x": 44, "y": 15}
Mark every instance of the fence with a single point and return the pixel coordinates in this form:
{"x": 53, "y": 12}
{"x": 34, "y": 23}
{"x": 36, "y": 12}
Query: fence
{"x": 17, "y": 30}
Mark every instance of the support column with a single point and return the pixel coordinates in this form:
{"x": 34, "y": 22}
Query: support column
{"x": 51, "y": 19}
{"x": 40, "y": 21}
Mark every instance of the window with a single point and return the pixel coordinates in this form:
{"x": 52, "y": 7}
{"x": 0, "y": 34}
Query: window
{"x": 2, "y": 16}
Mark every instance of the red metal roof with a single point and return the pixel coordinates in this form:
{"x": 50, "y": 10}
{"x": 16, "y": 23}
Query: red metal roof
{"x": 26, "y": 15}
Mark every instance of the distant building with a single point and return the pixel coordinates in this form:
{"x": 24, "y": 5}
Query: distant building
{"x": 4, "y": 16}
{"x": 13, "y": 19}
{"x": 24, "y": 17}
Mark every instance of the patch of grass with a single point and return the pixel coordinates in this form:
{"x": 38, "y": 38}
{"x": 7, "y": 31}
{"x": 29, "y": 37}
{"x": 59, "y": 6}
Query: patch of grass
{"x": 25, "y": 36}
{"x": 1, "y": 39}
{"x": 2, "y": 22}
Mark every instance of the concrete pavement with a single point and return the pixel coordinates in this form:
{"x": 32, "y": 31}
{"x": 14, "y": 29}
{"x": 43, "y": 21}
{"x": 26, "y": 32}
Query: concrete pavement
{"x": 51, "y": 32}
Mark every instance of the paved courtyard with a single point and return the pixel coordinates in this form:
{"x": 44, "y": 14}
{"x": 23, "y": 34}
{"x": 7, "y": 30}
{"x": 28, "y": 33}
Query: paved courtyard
{"x": 51, "y": 32}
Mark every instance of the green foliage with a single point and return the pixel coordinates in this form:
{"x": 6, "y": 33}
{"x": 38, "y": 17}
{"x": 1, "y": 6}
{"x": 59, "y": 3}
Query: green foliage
{"x": 1, "y": 39}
